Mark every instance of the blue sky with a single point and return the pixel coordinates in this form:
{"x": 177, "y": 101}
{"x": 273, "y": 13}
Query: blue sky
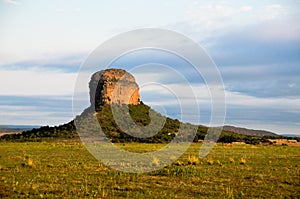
{"x": 255, "y": 44}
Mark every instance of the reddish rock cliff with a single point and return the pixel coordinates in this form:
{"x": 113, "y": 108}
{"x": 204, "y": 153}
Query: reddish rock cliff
{"x": 113, "y": 86}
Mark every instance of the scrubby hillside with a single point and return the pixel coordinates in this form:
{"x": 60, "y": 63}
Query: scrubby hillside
{"x": 139, "y": 114}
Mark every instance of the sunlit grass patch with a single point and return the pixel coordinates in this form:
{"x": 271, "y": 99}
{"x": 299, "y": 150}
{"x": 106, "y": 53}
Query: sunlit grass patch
{"x": 210, "y": 161}
{"x": 243, "y": 161}
{"x": 155, "y": 161}
{"x": 192, "y": 159}
{"x": 179, "y": 163}
{"x": 218, "y": 162}
{"x": 30, "y": 162}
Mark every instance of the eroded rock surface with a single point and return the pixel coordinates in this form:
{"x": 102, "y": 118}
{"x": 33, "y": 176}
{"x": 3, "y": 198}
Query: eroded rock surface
{"x": 113, "y": 86}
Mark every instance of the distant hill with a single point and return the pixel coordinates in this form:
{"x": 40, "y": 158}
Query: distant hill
{"x": 244, "y": 131}
{"x": 290, "y": 135}
{"x": 17, "y": 127}
{"x": 13, "y": 129}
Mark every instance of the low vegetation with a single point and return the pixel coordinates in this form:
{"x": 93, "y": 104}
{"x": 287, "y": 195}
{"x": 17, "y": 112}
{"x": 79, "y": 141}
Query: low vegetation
{"x": 66, "y": 170}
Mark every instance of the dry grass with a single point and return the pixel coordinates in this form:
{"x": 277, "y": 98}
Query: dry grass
{"x": 30, "y": 162}
{"x": 210, "y": 161}
{"x": 192, "y": 159}
{"x": 69, "y": 171}
{"x": 155, "y": 161}
{"x": 242, "y": 161}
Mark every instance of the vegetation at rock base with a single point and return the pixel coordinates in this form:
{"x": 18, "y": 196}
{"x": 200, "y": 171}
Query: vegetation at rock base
{"x": 140, "y": 115}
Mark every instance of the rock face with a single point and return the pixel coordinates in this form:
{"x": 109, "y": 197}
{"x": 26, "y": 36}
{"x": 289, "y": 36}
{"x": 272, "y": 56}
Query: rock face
{"x": 113, "y": 86}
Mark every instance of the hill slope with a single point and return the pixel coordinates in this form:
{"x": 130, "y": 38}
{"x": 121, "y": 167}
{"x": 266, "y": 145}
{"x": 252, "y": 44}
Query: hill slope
{"x": 244, "y": 131}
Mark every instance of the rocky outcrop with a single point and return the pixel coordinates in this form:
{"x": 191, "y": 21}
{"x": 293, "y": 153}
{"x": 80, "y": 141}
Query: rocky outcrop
{"x": 113, "y": 86}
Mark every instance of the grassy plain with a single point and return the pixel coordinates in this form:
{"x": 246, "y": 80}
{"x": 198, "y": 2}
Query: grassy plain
{"x": 67, "y": 170}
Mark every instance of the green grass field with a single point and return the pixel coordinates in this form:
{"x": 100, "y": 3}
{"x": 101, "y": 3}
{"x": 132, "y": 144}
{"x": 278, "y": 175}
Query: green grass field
{"x": 67, "y": 170}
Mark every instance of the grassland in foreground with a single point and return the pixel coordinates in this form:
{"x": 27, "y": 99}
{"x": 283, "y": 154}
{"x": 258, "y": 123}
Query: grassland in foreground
{"x": 67, "y": 170}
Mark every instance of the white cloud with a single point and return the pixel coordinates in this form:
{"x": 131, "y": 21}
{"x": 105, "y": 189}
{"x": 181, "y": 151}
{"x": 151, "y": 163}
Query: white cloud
{"x": 36, "y": 82}
{"x": 245, "y": 8}
{"x": 291, "y": 85}
{"x": 216, "y": 13}
{"x": 17, "y": 3}
{"x": 76, "y": 10}
{"x": 25, "y": 116}
{"x": 59, "y": 10}
{"x": 274, "y": 7}
{"x": 209, "y": 15}
{"x": 284, "y": 104}
{"x": 203, "y": 96}
{"x": 281, "y": 30}
{"x": 207, "y": 19}
{"x": 271, "y": 11}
